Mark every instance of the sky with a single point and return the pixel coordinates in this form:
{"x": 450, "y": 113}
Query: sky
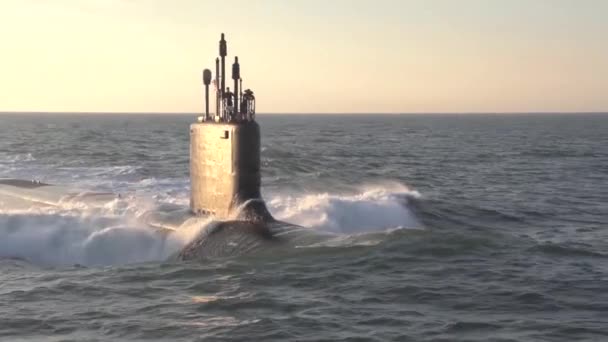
{"x": 307, "y": 56}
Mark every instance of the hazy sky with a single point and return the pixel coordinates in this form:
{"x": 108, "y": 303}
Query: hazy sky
{"x": 307, "y": 55}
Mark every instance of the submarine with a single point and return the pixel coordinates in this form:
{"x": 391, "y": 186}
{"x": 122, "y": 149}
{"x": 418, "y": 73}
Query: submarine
{"x": 225, "y": 182}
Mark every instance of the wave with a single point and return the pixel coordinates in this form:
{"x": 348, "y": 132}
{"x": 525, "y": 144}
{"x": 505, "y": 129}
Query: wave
{"x": 372, "y": 208}
{"x": 113, "y": 233}
{"x": 88, "y": 234}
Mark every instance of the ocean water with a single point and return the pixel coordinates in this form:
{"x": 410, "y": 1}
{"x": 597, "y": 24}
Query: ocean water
{"x": 447, "y": 228}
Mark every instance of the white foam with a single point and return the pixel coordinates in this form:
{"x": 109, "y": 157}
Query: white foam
{"x": 76, "y": 233}
{"x": 113, "y": 233}
{"x": 67, "y": 240}
{"x": 373, "y": 208}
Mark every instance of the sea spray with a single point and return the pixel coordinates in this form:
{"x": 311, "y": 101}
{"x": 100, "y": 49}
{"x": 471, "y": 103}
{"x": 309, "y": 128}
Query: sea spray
{"x": 372, "y": 208}
{"x": 116, "y": 232}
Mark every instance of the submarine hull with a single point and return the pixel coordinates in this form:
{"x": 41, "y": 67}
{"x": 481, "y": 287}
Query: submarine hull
{"x": 238, "y": 238}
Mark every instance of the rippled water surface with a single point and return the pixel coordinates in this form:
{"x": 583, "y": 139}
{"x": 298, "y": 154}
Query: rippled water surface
{"x": 447, "y": 228}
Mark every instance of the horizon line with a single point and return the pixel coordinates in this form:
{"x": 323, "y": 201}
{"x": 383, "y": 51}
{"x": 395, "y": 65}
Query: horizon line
{"x": 313, "y": 113}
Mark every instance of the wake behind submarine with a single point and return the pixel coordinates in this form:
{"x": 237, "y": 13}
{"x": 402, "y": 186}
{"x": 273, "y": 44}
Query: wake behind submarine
{"x": 225, "y": 181}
